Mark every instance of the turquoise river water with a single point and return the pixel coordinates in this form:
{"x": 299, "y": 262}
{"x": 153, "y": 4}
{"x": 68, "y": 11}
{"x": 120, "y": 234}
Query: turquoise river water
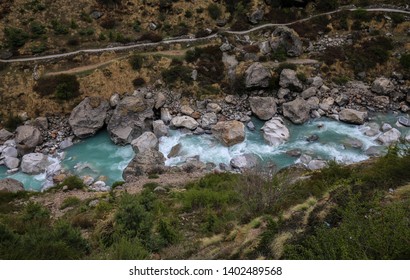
{"x": 100, "y": 158}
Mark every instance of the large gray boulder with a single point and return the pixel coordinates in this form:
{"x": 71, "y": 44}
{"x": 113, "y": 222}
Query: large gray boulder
{"x": 159, "y": 128}
{"x": 208, "y": 120}
{"x": 5, "y": 135}
{"x": 88, "y": 117}
{"x": 146, "y": 141}
{"x": 245, "y": 162}
{"x": 257, "y": 75}
{"x": 132, "y": 117}
{"x": 11, "y": 162}
{"x": 297, "y": 110}
{"x": 9, "y": 152}
{"x": 263, "y": 107}
{"x": 34, "y": 163}
{"x": 10, "y": 185}
{"x": 382, "y": 86}
{"x": 352, "y": 116}
{"x": 185, "y": 122}
{"x": 27, "y": 138}
{"x": 287, "y": 38}
{"x": 289, "y": 79}
{"x": 275, "y": 132}
{"x": 149, "y": 161}
{"x": 389, "y": 137}
{"x": 316, "y": 164}
{"x": 229, "y": 133}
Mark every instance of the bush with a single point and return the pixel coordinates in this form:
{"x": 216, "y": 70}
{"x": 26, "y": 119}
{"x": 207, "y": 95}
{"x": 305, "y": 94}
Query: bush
{"x": 214, "y": 11}
{"x": 136, "y": 62}
{"x": 37, "y": 29}
{"x": 70, "y": 201}
{"x": 38, "y": 48}
{"x": 59, "y": 27}
{"x": 327, "y": 5}
{"x": 108, "y": 23}
{"x": 73, "y": 182}
{"x": 175, "y": 73}
{"x": 151, "y": 36}
{"x": 67, "y": 89}
{"x": 139, "y": 81}
{"x": 15, "y": 37}
{"x": 117, "y": 184}
{"x": 12, "y": 122}
{"x": 405, "y": 61}
{"x": 361, "y": 15}
{"x": 86, "y": 31}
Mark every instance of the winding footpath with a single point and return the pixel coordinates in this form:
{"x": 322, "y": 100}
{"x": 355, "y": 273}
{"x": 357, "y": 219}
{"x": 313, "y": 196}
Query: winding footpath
{"x": 192, "y": 40}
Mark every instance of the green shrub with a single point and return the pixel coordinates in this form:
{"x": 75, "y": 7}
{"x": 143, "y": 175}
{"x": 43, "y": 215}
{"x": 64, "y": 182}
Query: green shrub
{"x": 38, "y": 48}
{"x": 59, "y": 27}
{"x": 15, "y": 37}
{"x": 214, "y": 11}
{"x": 361, "y": 15}
{"x": 117, "y": 184}
{"x": 37, "y": 29}
{"x": 86, "y": 31}
{"x": 108, "y": 23}
{"x": 151, "y": 36}
{"x": 405, "y": 61}
{"x": 168, "y": 232}
{"x": 327, "y": 5}
{"x": 70, "y": 202}
{"x": 73, "y": 182}
{"x": 279, "y": 55}
{"x": 136, "y": 62}
{"x": 175, "y": 73}
{"x": 62, "y": 86}
{"x": 136, "y": 26}
{"x": 397, "y": 18}
{"x": 12, "y": 122}
{"x": 128, "y": 249}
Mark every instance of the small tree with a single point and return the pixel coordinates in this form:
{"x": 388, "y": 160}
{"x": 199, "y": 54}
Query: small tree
{"x": 214, "y": 11}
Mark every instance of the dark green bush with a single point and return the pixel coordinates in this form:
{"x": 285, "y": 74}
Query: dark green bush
{"x": 214, "y": 11}
{"x": 12, "y": 122}
{"x": 405, "y": 61}
{"x": 37, "y": 29}
{"x": 151, "y": 36}
{"x": 327, "y": 5}
{"x": 178, "y": 72}
{"x": 73, "y": 182}
{"x": 136, "y": 62}
{"x": 59, "y": 27}
{"x": 139, "y": 81}
{"x": 15, "y": 37}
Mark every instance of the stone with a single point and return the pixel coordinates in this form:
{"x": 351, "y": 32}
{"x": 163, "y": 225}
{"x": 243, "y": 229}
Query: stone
{"x": 265, "y": 47}
{"x": 288, "y": 79}
{"x": 10, "y": 185}
{"x": 283, "y": 92}
{"x": 257, "y": 76}
{"x": 316, "y": 164}
{"x": 27, "y": 138}
{"x": 160, "y": 190}
{"x": 404, "y": 121}
{"x": 5, "y": 135}
{"x": 9, "y": 152}
{"x": 34, "y": 163}
{"x": 386, "y": 127}
{"x": 287, "y": 38}
{"x": 149, "y": 161}
{"x": 297, "y": 110}
{"x": 256, "y": 16}
{"x": 245, "y": 162}
{"x": 229, "y": 132}
{"x": 213, "y": 107}
{"x": 187, "y": 110}
{"x": 208, "y": 120}
{"x": 114, "y": 100}
{"x": 159, "y": 128}
{"x": 41, "y": 122}
{"x": 225, "y": 47}
{"x": 11, "y": 162}
{"x": 371, "y": 129}
{"x": 100, "y": 186}
{"x": 165, "y": 115}
{"x": 275, "y": 132}
{"x": 132, "y": 117}
{"x": 294, "y": 152}
{"x": 381, "y": 101}
{"x": 327, "y": 104}
{"x": 317, "y": 82}
{"x": 250, "y": 126}
{"x": 263, "y": 107}
{"x": 88, "y": 117}
{"x": 305, "y": 159}
{"x": 382, "y": 86}
{"x": 174, "y": 151}
{"x": 87, "y": 180}
{"x": 66, "y": 143}
{"x": 160, "y": 100}
{"x": 307, "y": 93}
{"x": 146, "y": 141}
{"x": 313, "y": 103}
{"x": 185, "y": 122}
{"x": 96, "y": 14}
{"x": 352, "y": 116}
{"x": 375, "y": 151}
{"x": 389, "y": 137}
{"x": 341, "y": 99}
{"x": 353, "y": 143}
{"x": 312, "y": 138}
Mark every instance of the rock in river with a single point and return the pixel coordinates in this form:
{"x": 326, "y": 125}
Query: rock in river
{"x": 88, "y": 117}
{"x": 275, "y": 132}
{"x": 229, "y": 132}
